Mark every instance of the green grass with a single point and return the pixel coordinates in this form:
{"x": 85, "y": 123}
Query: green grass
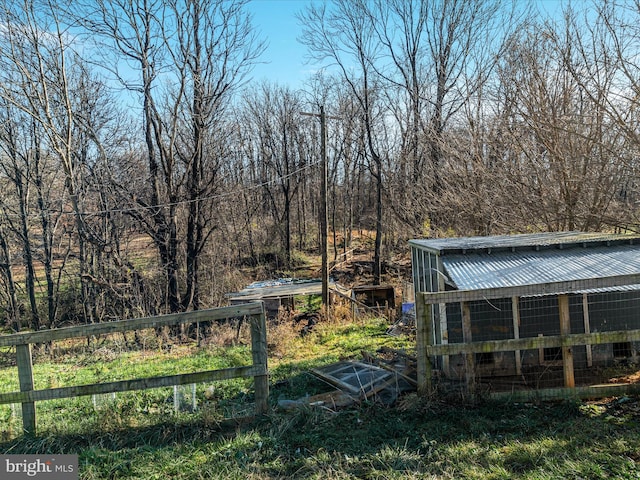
{"x": 139, "y": 435}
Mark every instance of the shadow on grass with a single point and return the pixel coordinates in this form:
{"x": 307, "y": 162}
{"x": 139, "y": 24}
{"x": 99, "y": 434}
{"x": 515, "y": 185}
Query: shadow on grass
{"x": 415, "y": 439}
{"x": 111, "y": 427}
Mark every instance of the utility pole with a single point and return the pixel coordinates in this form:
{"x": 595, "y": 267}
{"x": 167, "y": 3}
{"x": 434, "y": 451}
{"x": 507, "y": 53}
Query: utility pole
{"x": 324, "y": 213}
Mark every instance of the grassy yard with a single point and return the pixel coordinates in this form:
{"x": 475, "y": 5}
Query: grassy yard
{"x": 139, "y": 436}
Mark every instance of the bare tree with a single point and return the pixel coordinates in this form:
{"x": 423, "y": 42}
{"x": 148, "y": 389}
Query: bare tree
{"x": 14, "y": 317}
{"x": 344, "y": 36}
{"x": 273, "y": 117}
{"x": 204, "y": 48}
{"x": 603, "y": 63}
{"x": 39, "y": 71}
{"x": 17, "y": 167}
{"x": 568, "y": 166}
{"x": 437, "y": 56}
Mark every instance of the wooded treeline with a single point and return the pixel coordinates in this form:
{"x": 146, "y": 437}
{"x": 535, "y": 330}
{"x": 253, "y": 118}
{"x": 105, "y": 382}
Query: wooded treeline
{"x": 141, "y": 167}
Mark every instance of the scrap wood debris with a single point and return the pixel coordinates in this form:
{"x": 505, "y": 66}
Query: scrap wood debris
{"x": 382, "y": 377}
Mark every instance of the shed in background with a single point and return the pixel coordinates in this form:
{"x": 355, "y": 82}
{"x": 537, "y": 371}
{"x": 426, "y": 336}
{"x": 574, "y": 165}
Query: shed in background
{"x": 281, "y": 293}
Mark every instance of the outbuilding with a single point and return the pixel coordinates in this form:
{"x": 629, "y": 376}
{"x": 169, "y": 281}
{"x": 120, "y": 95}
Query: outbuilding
{"x": 529, "y": 310}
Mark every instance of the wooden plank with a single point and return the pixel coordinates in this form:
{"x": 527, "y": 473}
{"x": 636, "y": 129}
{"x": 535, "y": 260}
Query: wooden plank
{"x": 423, "y": 344}
{"x": 354, "y": 377}
{"x": 335, "y": 381}
{"x": 567, "y": 352}
{"x": 533, "y": 343}
{"x": 25, "y": 376}
{"x": 119, "y": 326}
{"x": 332, "y": 400}
{"x": 553, "y": 288}
{"x": 515, "y": 309}
{"x": 137, "y": 384}
{"x": 396, "y": 373}
{"x": 442, "y": 314}
{"x": 259, "y": 355}
{"x": 592, "y": 391}
{"x": 469, "y": 360}
{"x": 540, "y": 351}
{"x": 587, "y": 326}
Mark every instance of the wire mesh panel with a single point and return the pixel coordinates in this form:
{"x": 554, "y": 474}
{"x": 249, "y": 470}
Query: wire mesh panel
{"x": 540, "y": 342}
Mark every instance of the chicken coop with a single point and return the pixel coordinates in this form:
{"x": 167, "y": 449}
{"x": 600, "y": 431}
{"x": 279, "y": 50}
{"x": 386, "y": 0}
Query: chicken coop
{"x": 545, "y": 312}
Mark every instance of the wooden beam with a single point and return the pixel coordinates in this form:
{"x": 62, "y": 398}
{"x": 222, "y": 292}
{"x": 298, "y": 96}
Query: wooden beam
{"x": 25, "y": 376}
{"x": 567, "y": 351}
{"x": 515, "y": 311}
{"x": 553, "y": 288}
{"x": 540, "y": 351}
{"x": 442, "y": 311}
{"x": 119, "y": 326}
{"x": 137, "y": 384}
{"x": 587, "y": 326}
{"x": 533, "y": 343}
{"x": 469, "y": 357}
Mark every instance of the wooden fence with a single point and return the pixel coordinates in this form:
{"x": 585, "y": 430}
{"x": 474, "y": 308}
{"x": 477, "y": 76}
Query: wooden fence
{"x": 426, "y": 348}
{"x": 27, "y": 396}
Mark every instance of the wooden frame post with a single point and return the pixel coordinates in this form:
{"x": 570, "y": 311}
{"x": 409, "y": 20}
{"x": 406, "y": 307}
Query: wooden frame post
{"x": 424, "y": 338}
{"x": 259, "y": 355}
{"x": 469, "y": 357}
{"x": 25, "y": 376}
{"x": 442, "y": 315}
{"x": 565, "y": 329}
{"x": 515, "y": 309}
{"x": 587, "y": 326}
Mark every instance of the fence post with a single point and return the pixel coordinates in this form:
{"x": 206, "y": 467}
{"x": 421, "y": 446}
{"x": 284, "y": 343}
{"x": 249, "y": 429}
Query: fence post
{"x": 565, "y": 329}
{"x": 424, "y": 336}
{"x": 259, "y": 354}
{"x": 25, "y": 376}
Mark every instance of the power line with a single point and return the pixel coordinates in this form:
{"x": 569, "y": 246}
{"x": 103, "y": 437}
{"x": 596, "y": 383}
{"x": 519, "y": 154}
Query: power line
{"x": 166, "y": 204}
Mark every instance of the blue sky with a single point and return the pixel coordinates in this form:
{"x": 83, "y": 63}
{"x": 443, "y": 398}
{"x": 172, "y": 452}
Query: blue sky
{"x": 283, "y": 60}
{"x": 284, "y": 56}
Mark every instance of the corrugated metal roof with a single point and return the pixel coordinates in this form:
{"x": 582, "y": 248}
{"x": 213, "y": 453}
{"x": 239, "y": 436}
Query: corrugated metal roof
{"x": 506, "y": 268}
{"x": 279, "y": 288}
{"x": 527, "y": 241}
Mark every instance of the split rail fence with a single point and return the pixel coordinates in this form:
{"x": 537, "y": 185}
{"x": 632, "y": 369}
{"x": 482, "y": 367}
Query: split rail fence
{"x": 27, "y": 395}
{"x": 428, "y": 350}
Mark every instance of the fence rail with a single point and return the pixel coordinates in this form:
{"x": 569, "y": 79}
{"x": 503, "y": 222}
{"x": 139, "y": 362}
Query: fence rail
{"x": 429, "y": 304}
{"x": 28, "y": 395}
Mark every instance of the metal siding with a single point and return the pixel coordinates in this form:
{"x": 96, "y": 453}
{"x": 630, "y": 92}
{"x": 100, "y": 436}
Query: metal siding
{"x": 507, "y": 269}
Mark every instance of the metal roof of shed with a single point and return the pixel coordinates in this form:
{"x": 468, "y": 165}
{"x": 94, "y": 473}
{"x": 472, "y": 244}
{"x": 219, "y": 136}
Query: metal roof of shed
{"x": 527, "y": 241}
{"x": 514, "y": 268}
{"x": 280, "y": 288}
